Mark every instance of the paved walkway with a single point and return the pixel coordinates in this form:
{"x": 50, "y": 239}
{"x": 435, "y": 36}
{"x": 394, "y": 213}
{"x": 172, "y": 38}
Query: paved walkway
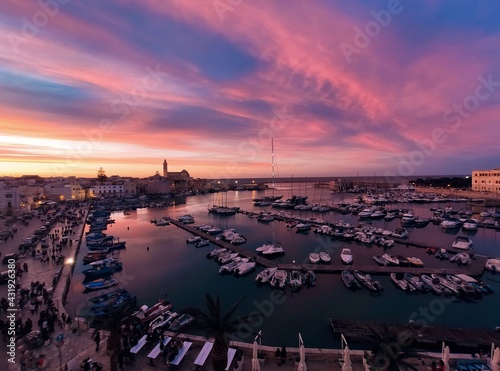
{"x": 78, "y": 344}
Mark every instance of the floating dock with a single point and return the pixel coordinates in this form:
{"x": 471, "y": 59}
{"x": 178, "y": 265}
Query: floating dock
{"x": 421, "y": 335}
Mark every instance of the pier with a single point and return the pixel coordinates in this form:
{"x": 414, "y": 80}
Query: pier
{"x": 421, "y": 335}
{"x": 474, "y": 269}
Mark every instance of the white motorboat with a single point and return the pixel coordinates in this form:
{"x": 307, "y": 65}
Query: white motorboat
{"x": 245, "y": 268}
{"x": 325, "y": 257}
{"x": 400, "y": 233}
{"x": 161, "y": 222}
{"x": 416, "y": 262}
{"x": 264, "y": 247}
{"x": 163, "y": 320}
{"x": 201, "y": 243}
{"x": 450, "y": 224}
{"x": 402, "y": 284}
{"x": 226, "y": 257}
{"x": 346, "y": 256}
{"x": 462, "y": 243}
{"x": 302, "y": 227}
{"x": 274, "y": 250}
{"x": 469, "y": 225}
{"x": 216, "y": 252}
{"x": 238, "y": 240}
{"x": 232, "y": 265}
{"x": 493, "y": 264}
{"x": 390, "y": 259}
{"x": 367, "y": 281}
{"x": 450, "y": 285}
{"x": 279, "y": 278}
{"x": 414, "y": 281}
{"x": 214, "y": 230}
{"x": 265, "y": 275}
{"x": 193, "y": 239}
{"x": 314, "y": 257}
{"x": 461, "y": 258}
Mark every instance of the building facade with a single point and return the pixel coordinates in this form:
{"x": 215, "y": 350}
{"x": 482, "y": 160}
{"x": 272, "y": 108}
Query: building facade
{"x": 486, "y": 180}
{"x": 10, "y": 200}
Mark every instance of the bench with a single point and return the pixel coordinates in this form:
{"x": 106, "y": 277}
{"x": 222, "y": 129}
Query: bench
{"x": 182, "y": 352}
{"x": 156, "y": 350}
{"x": 203, "y": 355}
{"x": 139, "y": 345}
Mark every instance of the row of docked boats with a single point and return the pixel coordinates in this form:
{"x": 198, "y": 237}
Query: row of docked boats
{"x": 448, "y": 284}
{"x": 231, "y": 262}
{"x": 280, "y": 278}
{"x": 398, "y": 260}
{"x": 269, "y": 249}
{"x": 320, "y": 257}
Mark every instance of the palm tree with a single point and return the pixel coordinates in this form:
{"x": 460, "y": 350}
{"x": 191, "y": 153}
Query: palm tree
{"x": 390, "y": 350}
{"x": 113, "y": 324}
{"x": 218, "y": 327}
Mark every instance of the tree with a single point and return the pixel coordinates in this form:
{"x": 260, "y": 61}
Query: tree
{"x": 218, "y": 327}
{"x": 101, "y": 175}
{"x": 389, "y": 351}
{"x": 113, "y": 324}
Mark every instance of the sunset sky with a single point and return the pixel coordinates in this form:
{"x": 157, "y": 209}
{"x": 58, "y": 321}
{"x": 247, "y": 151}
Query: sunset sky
{"x": 344, "y": 87}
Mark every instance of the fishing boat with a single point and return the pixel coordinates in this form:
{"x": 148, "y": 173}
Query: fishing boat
{"x": 146, "y": 314}
{"x": 266, "y": 275}
{"x": 107, "y": 296}
{"x": 349, "y": 281}
{"x": 95, "y": 256}
{"x": 100, "y": 284}
{"x": 103, "y": 268}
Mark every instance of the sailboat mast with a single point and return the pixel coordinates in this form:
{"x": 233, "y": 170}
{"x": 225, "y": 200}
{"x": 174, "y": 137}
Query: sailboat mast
{"x": 272, "y": 157}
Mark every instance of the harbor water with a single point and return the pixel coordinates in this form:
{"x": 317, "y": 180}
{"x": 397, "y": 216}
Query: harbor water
{"x": 158, "y": 263}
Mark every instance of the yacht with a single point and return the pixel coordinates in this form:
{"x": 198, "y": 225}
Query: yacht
{"x": 462, "y": 243}
{"x": 346, "y": 256}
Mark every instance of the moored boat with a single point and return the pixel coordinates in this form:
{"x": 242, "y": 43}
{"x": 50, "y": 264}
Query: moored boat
{"x": 279, "y": 278}
{"x": 367, "y": 281}
{"x": 314, "y": 257}
{"x": 346, "y": 256}
{"x": 100, "y": 284}
{"x": 265, "y": 275}
{"x": 462, "y": 243}
{"x": 349, "y": 281}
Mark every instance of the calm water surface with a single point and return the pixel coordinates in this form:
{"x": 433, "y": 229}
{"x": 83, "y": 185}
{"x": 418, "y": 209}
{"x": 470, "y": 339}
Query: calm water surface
{"x": 182, "y": 273}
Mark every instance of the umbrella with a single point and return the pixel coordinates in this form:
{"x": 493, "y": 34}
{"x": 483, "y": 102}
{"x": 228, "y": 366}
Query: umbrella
{"x": 446, "y": 357}
{"x": 255, "y": 354}
{"x": 495, "y": 358}
{"x": 347, "y": 360}
{"x": 302, "y": 356}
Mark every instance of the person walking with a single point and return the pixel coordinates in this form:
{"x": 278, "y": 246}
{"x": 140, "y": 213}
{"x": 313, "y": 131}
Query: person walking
{"x": 97, "y": 340}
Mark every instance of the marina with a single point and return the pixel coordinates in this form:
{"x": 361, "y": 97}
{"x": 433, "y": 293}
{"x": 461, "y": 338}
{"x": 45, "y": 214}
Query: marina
{"x": 174, "y": 249}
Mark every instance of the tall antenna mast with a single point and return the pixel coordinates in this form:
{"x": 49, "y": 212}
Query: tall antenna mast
{"x": 272, "y": 157}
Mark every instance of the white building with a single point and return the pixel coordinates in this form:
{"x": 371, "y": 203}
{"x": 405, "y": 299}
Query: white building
{"x": 107, "y": 190}
{"x": 10, "y": 200}
{"x": 60, "y": 191}
{"x": 486, "y": 180}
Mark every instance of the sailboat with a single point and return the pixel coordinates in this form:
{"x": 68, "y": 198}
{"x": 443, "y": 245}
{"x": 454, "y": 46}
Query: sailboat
{"x": 268, "y": 200}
